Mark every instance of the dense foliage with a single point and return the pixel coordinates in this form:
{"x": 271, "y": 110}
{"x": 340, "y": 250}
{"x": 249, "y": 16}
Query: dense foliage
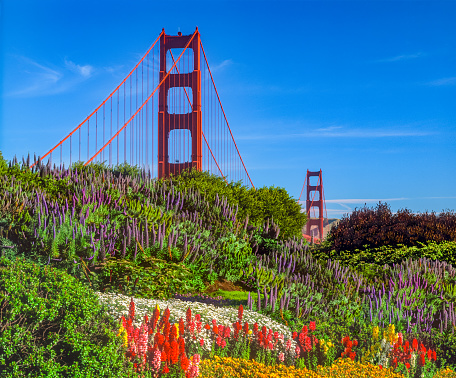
{"x": 57, "y": 322}
{"x": 256, "y": 205}
{"x": 380, "y": 227}
{"x": 117, "y": 230}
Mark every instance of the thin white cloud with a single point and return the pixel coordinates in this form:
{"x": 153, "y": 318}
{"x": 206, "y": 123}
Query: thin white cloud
{"x": 443, "y": 82}
{"x": 364, "y": 200}
{"x": 85, "y": 71}
{"x": 344, "y": 201}
{"x": 38, "y": 78}
{"x": 330, "y": 128}
{"x": 222, "y": 65}
{"x": 41, "y": 80}
{"x": 337, "y": 211}
{"x": 339, "y": 132}
{"x": 402, "y": 57}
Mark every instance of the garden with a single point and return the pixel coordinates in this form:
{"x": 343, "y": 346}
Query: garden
{"x": 107, "y": 272}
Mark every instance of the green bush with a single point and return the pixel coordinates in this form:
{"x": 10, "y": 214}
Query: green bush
{"x": 259, "y": 205}
{"x": 388, "y": 254}
{"x": 52, "y": 325}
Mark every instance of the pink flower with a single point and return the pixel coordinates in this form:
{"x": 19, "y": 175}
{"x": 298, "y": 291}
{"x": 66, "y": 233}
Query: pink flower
{"x": 218, "y": 340}
{"x": 156, "y": 362}
{"x": 271, "y": 346}
{"x": 193, "y": 371}
{"x": 196, "y": 359}
{"x": 297, "y": 351}
{"x": 281, "y": 357}
{"x": 223, "y": 343}
{"x": 227, "y": 332}
{"x": 288, "y": 345}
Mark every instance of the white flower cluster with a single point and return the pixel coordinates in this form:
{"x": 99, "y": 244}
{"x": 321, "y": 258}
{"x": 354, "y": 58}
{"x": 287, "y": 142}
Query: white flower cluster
{"x": 382, "y": 355}
{"x": 117, "y": 305}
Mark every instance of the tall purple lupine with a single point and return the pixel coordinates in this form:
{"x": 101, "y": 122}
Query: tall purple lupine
{"x": 161, "y": 237}
{"x": 147, "y": 234}
{"x": 265, "y": 297}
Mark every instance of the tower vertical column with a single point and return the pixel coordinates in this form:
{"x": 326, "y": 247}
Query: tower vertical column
{"x": 316, "y": 203}
{"x": 191, "y": 121}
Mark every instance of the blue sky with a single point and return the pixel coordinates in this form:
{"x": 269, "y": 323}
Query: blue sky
{"x": 364, "y": 90}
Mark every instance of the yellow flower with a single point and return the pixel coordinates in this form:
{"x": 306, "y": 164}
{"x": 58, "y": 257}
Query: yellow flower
{"x": 250, "y": 331}
{"x": 123, "y": 333}
{"x": 375, "y": 332}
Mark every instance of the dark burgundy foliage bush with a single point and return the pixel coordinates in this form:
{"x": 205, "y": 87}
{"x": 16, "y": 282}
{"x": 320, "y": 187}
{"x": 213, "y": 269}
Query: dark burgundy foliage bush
{"x": 376, "y": 227}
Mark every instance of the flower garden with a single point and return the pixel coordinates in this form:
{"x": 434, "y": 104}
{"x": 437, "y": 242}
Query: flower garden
{"x": 376, "y": 299}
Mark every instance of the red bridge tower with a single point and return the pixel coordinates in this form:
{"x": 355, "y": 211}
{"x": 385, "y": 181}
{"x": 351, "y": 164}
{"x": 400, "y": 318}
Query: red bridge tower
{"x": 171, "y": 121}
{"x": 312, "y": 203}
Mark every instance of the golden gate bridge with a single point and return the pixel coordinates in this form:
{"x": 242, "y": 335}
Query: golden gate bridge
{"x": 164, "y": 117}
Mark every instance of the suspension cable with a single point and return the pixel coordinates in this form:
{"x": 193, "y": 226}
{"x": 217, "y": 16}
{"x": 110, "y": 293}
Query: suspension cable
{"x": 148, "y": 98}
{"x": 91, "y": 114}
{"x": 229, "y": 128}
{"x": 188, "y": 98}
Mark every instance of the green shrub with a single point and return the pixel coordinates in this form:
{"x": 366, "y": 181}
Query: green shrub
{"x": 52, "y": 325}
{"x": 259, "y": 205}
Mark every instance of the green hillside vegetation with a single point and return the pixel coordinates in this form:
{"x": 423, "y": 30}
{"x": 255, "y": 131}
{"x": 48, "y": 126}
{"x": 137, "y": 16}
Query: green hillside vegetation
{"x": 73, "y": 232}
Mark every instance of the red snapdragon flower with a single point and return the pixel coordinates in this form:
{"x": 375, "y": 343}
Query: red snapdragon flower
{"x": 189, "y": 315}
{"x": 185, "y": 362}
{"x": 181, "y": 326}
{"x": 174, "y": 352}
{"x": 181, "y": 345}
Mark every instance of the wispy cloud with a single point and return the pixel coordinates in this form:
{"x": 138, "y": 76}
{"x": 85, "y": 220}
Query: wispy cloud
{"x": 340, "y": 132}
{"x": 442, "y": 82}
{"x": 222, "y": 65}
{"x": 37, "y": 79}
{"x": 364, "y": 200}
{"x": 345, "y": 201}
{"x": 399, "y": 58}
{"x": 85, "y": 71}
